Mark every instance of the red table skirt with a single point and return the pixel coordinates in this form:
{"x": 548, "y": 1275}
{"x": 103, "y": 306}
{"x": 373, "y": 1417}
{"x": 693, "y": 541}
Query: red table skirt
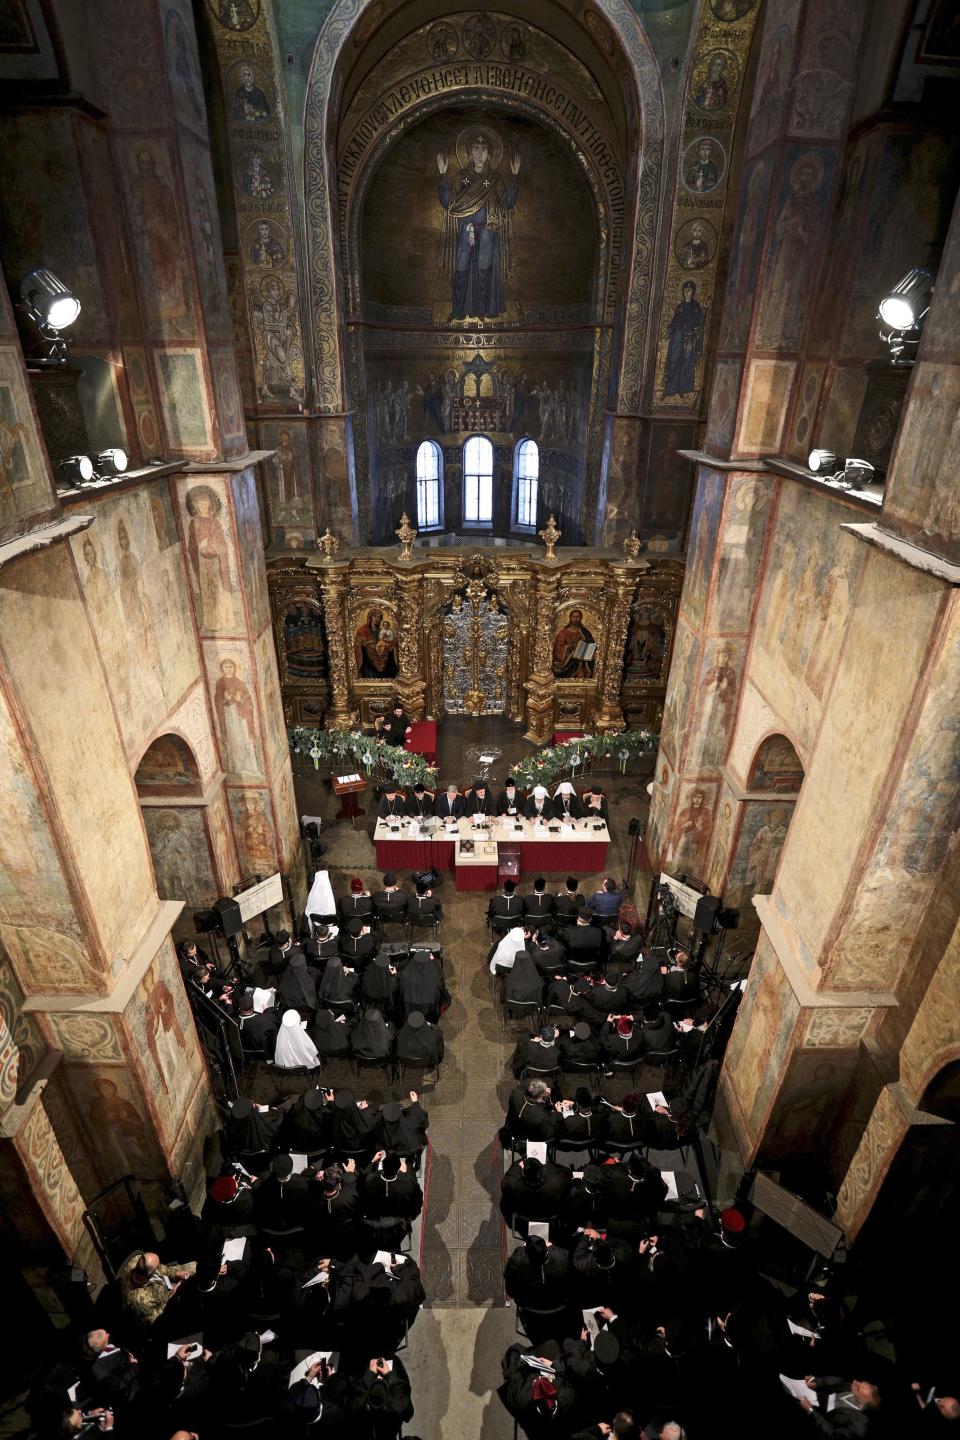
{"x": 422, "y": 740}
{"x": 587, "y": 857}
{"x": 475, "y": 877}
{"x": 560, "y": 737}
{"x": 572, "y": 856}
{"x": 415, "y": 854}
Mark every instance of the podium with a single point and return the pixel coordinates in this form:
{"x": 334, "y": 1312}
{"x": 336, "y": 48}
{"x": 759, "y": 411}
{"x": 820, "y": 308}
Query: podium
{"x": 346, "y": 791}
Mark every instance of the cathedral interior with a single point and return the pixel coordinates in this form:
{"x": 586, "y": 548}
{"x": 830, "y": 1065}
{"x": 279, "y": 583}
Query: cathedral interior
{"x": 571, "y": 369}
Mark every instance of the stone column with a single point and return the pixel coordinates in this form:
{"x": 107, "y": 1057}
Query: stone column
{"x": 541, "y": 685}
{"x": 332, "y": 576}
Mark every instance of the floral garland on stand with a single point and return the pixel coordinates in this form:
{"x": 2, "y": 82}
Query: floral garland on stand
{"x": 554, "y": 762}
{"x": 341, "y": 747}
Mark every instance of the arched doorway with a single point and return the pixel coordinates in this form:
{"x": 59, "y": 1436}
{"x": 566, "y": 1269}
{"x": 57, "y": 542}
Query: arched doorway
{"x": 176, "y": 818}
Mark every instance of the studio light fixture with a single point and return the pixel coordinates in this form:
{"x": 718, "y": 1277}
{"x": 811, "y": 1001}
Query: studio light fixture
{"x": 903, "y": 310}
{"x": 823, "y": 462}
{"x": 51, "y": 306}
{"x": 76, "y": 470}
{"x": 110, "y": 463}
{"x": 856, "y": 474}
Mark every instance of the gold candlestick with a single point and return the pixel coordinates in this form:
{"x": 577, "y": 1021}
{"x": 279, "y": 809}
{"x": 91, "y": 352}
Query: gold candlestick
{"x": 329, "y": 544}
{"x": 406, "y": 535}
{"x": 550, "y": 535}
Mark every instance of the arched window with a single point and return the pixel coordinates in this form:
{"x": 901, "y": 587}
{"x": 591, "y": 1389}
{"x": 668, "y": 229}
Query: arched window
{"x": 429, "y": 486}
{"x": 526, "y": 484}
{"x": 478, "y": 481}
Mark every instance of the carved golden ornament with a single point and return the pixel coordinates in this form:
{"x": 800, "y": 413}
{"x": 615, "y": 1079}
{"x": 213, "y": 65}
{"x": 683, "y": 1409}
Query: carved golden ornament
{"x": 474, "y": 701}
{"x": 550, "y": 535}
{"x": 632, "y": 545}
{"x": 329, "y": 544}
{"x": 406, "y": 535}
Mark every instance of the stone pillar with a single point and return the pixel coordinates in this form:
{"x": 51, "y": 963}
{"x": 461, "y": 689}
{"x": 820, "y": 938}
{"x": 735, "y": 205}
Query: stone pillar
{"x": 332, "y": 576}
{"x": 541, "y": 686}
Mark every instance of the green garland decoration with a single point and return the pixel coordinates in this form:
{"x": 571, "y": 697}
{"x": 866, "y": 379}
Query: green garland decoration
{"x": 555, "y": 762}
{"x": 346, "y": 748}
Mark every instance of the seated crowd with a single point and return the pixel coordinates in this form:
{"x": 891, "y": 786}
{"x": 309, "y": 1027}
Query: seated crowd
{"x": 343, "y": 991}
{"x": 296, "y": 1257}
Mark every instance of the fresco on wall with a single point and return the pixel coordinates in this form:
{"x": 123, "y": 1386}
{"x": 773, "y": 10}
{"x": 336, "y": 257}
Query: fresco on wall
{"x": 183, "y": 400}
{"x": 253, "y": 831}
{"x": 212, "y": 566}
{"x": 162, "y": 1029}
{"x": 25, "y": 488}
{"x": 221, "y": 842}
{"x": 692, "y": 826}
{"x": 793, "y": 251}
{"x": 666, "y": 488}
{"x": 680, "y": 374}
{"x": 754, "y": 864}
{"x": 141, "y": 398}
{"x": 811, "y": 576}
{"x": 748, "y": 232}
{"x": 575, "y": 644}
{"x": 249, "y": 93}
{"x": 21, "y": 1044}
{"x": 247, "y": 511}
{"x": 280, "y": 373}
{"x": 121, "y": 1136}
{"x": 133, "y": 583}
{"x": 160, "y": 246}
{"x": 773, "y": 73}
{"x": 181, "y": 855}
{"x": 757, "y": 1051}
{"x": 376, "y": 645}
{"x": 686, "y": 649}
{"x": 704, "y": 529}
{"x": 207, "y": 240}
{"x": 745, "y": 520}
{"x": 776, "y": 767}
{"x": 764, "y": 410}
{"x": 288, "y": 482}
{"x": 167, "y": 767}
{"x": 274, "y": 730}
{"x": 718, "y": 692}
{"x": 183, "y": 67}
{"x": 234, "y": 703}
{"x": 476, "y": 239}
{"x": 720, "y": 844}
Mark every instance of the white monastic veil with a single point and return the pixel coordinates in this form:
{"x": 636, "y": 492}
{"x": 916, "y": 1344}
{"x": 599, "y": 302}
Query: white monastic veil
{"x": 293, "y": 1046}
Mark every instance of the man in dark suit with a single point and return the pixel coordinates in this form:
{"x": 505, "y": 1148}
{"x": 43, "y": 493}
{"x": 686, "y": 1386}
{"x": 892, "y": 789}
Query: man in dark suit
{"x": 389, "y": 1189}
{"x": 278, "y": 956}
{"x": 580, "y": 1046}
{"x": 390, "y": 903}
{"x": 539, "y": 807}
{"x": 392, "y": 802}
{"x": 510, "y": 800}
{"x": 109, "y": 1375}
{"x": 418, "y": 1042}
{"x": 421, "y": 801}
{"x": 358, "y": 902}
{"x": 533, "y": 1191}
{"x": 506, "y": 909}
{"x": 622, "y": 1040}
{"x": 449, "y": 804}
{"x": 537, "y": 1274}
{"x": 548, "y": 954}
{"x": 479, "y": 800}
{"x": 658, "y": 1032}
{"x": 258, "y": 1031}
{"x": 357, "y": 943}
{"x": 538, "y": 907}
{"x": 606, "y": 902}
{"x": 583, "y": 943}
{"x": 395, "y": 725}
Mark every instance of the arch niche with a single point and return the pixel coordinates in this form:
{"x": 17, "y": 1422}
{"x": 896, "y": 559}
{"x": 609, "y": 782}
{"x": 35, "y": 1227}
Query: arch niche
{"x": 758, "y": 821}
{"x": 177, "y": 821}
{"x": 573, "y": 102}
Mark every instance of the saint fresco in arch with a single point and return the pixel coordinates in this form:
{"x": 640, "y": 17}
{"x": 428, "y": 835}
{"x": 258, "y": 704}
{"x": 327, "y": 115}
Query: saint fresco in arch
{"x": 475, "y": 242}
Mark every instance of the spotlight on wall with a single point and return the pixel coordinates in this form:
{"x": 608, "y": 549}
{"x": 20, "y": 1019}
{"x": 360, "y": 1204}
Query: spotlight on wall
{"x": 110, "y": 463}
{"x": 856, "y": 474}
{"x": 51, "y": 307}
{"x": 76, "y": 470}
{"x": 823, "y": 462}
{"x": 903, "y": 310}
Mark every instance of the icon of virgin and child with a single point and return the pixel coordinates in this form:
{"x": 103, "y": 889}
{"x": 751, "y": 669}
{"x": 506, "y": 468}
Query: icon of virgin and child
{"x": 476, "y": 238}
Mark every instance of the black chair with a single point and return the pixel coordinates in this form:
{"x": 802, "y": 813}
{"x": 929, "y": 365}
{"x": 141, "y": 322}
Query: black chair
{"x": 535, "y": 1072}
{"x": 531, "y": 1312}
{"x": 402, "y": 1070}
{"x": 516, "y": 1009}
{"x": 415, "y": 924}
{"x": 385, "y": 1064}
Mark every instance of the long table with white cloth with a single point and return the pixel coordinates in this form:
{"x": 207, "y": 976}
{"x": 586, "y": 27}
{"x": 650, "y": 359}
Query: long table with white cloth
{"x": 577, "y": 847}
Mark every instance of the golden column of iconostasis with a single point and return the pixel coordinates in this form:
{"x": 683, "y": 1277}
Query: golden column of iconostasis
{"x": 101, "y": 1073}
{"x": 308, "y": 479}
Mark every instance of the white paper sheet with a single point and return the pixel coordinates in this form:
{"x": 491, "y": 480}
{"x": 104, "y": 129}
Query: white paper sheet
{"x": 656, "y": 1097}
{"x": 299, "y": 1372}
{"x": 233, "y": 1249}
{"x": 300, "y": 1163}
{"x": 537, "y": 1150}
{"x": 670, "y": 1180}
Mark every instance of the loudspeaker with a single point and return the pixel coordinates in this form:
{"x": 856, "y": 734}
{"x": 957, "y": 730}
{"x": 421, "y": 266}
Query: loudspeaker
{"x": 205, "y": 920}
{"x": 633, "y": 827}
{"x": 228, "y": 912}
{"x": 728, "y": 919}
{"x": 706, "y": 913}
